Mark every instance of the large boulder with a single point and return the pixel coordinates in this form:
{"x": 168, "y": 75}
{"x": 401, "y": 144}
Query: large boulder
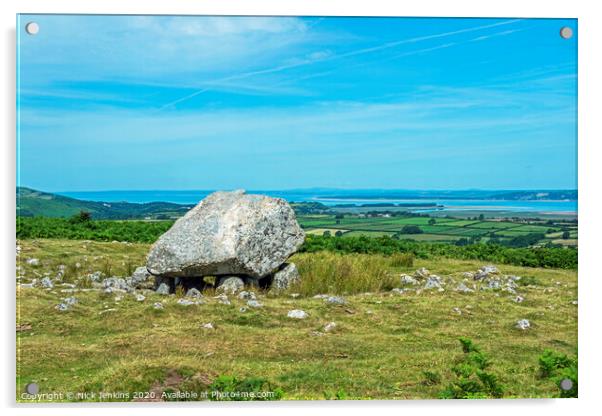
{"x": 228, "y": 233}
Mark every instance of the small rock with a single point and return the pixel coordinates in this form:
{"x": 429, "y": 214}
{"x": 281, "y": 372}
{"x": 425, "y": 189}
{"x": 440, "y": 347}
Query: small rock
{"x": 519, "y": 299}
{"x": 254, "y": 304}
{"x": 422, "y": 273}
{"x": 398, "y": 290}
{"x": 463, "y": 288}
{"x": 116, "y": 283}
{"x": 163, "y": 289}
{"x": 492, "y": 284}
{"x": 433, "y": 282}
{"x": 223, "y": 299}
{"x": 140, "y": 297}
{"x": 246, "y": 295}
{"x": 47, "y": 283}
{"x": 208, "y": 325}
{"x": 185, "y": 302}
{"x": 118, "y": 298}
{"x": 297, "y": 314}
{"x": 194, "y": 293}
{"x": 242, "y": 309}
{"x": 457, "y": 310}
{"x": 33, "y": 262}
{"x": 336, "y": 300}
{"x": 468, "y": 275}
{"x": 523, "y": 324}
{"x": 574, "y": 302}
{"x": 158, "y": 305}
{"x": 406, "y": 279}
{"x": 330, "y": 326}
{"x": 62, "y": 307}
{"x": 70, "y": 301}
{"x": 230, "y": 284}
{"x": 321, "y": 296}
{"x": 141, "y": 278}
{"x": 295, "y": 295}
{"x": 489, "y": 269}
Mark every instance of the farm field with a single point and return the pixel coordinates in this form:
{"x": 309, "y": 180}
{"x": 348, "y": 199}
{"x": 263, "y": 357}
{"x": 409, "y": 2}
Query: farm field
{"x": 385, "y": 345}
{"x": 437, "y": 229}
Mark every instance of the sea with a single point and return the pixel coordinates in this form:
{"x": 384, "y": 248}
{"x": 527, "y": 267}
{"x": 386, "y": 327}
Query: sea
{"x": 421, "y": 201}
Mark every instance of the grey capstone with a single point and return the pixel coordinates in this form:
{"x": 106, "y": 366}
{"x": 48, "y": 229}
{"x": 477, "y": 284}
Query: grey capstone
{"x": 228, "y": 233}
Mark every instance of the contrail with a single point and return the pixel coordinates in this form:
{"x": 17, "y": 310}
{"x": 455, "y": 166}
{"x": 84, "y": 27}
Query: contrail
{"x": 362, "y": 51}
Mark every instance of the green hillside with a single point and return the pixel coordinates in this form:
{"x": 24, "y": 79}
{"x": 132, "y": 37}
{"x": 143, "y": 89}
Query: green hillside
{"x": 32, "y": 203}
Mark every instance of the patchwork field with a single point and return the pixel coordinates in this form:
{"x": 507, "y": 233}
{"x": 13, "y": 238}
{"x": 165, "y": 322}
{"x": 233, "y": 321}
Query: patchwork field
{"x": 385, "y": 344}
{"x": 437, "y": 229}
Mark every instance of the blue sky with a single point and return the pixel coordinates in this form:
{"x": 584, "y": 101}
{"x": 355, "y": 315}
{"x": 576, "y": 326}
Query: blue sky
{"x": 163, "y": 102}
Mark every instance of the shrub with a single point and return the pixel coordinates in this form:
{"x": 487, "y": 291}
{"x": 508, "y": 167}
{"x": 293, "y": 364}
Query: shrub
{"x": 411, "y": 229}
{"x": 431, "y": 378}
{"x": 472, "y": 378}
{"x": 557, "y": 367}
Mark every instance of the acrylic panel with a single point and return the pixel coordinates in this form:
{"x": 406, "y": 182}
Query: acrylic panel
{"x": 295, "y": 208}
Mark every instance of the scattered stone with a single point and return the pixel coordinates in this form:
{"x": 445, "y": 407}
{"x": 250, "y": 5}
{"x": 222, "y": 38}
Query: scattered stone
{"x": 492, "y": 284}
{"x": 94, "y": 277}
{"x": 254, "y": 304}
{"x": 116, "y": 283}
{"x": 46, "y": 283}
{"x": 223, "y": 299}
{"x": 62, "y": 307}
{"x": 523, "y": 324}
{"x": 285, "y": 277}
{"x": 463, "y": 288}
{"x": 489, "y": 269}
{"x": 194, "y": 293}
{"x": 230, "y": 284}
{"x": 406, "y": 279}
{"x": 295, "y": 295}
{"x": 336, "y": 300}
{"x": 246, "y": 295}
{"x": 140, "y": 297}
{"x": 574, "y": 302}
{"x": 185, "y": 302}
{"x": 70, "y": 301}
{"x": 422, "y": 273}
{"x": 163, "y": 289}
{"x": 33, "y": 262}
{"x": 433, "y": 282}
{"x": 208, "y": 325}
{"x": 321, "y": 296}
{"x": 519, "y": 299}
{"x": 141, "y": 278}
{"x": 242, "y": 309}
{"x": 118, "y": 298}
{"x": 468, "y": 275}
{"x": 398, "y": 290}
{"x": 228, "y": 233}
{"x": 158, "y": 305}
{"x": 297, "y": 314}
{"x": 457, "y": 310}
{"x": 330, "y": 326}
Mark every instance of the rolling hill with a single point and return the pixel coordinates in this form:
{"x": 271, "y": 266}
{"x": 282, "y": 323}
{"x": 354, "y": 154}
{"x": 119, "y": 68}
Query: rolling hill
{"x": 32, "y": 203}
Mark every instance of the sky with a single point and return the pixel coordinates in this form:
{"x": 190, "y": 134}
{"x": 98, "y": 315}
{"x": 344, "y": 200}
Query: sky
{"x": 165, "y": 102}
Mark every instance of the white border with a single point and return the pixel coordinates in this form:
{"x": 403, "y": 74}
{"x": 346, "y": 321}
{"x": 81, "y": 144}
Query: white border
{"x": 590, "y": 134}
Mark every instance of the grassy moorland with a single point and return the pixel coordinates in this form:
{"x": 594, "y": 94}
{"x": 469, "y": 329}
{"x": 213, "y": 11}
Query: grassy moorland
{"x": 385, "y": 345}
